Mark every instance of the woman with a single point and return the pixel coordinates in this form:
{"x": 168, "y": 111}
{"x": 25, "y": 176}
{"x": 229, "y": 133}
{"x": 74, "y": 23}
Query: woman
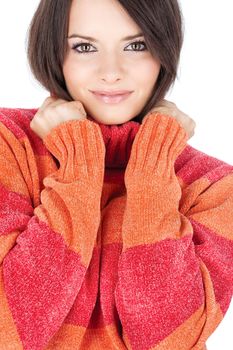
{"x": 116, "y": 234}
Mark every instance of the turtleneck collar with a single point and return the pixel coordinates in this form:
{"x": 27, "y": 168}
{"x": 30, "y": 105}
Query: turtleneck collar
{"x": 118, "y": 141}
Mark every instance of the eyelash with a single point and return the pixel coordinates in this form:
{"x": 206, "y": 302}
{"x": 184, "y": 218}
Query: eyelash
{"x": 75, "y": 46}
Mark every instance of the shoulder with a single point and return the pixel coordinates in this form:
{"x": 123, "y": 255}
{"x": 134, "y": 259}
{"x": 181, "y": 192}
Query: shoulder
{"x": 16, "y": 123}
{"x": 17, "y": 120}
{"x": 193, "y": 164}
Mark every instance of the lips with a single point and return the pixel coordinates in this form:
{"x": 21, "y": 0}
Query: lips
{"x": 112, "y": 93}
{"x": 112, "y": 98}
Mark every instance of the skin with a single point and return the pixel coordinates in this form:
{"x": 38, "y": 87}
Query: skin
{"x": 113, "y": 65}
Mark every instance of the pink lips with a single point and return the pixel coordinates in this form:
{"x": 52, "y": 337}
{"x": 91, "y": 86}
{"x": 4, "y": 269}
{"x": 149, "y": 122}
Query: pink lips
{"x": 112, "y": 97}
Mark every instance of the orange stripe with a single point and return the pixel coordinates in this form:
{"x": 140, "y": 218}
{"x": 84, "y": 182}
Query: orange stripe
{"x": 20, "y": 164}
{"x": 102, "y": 338}
{"x": 46, "y": 165}
{"x": 187, "y": 335}
{"x": 6, "y": 243}
{"x": 67, "y": 224}
{"x": 76, "y": 337}
{"x": 13, "y": 163}
{"x": 215, "y": 203}
{"x": 68, "y": 337}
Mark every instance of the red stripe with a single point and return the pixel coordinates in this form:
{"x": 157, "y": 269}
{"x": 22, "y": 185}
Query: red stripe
{"x": 42, "y": 278}
{"x": 159, "y": 287}
{"x": 217, "y": 254}
{"x": 18, "y": 122}
{"x": 15, "y": 211}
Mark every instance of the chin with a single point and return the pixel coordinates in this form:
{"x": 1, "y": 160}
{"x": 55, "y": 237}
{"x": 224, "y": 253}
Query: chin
{"x": 107, "y": 121}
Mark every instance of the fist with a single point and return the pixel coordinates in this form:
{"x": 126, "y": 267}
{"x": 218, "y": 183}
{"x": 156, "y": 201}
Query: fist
{"x": 53, "y": 112}
{"x": 169, "y": 108}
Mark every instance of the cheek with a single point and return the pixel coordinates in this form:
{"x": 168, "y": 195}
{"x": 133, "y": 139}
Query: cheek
{"x": 151, "y": 71}
{"x": 147, "y": 75}
{"x": 74, "y": 75}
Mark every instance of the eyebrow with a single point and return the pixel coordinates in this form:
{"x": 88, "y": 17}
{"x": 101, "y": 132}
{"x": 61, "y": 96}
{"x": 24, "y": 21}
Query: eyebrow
{"x": 95, "y": 40}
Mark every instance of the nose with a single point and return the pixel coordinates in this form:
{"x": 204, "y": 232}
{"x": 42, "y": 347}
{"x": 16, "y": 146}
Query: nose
{"x": 111, "y": 68}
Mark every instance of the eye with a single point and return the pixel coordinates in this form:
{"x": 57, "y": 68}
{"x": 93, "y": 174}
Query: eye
{"x": 139, "y": 43}
{"x": 75, "y": 47}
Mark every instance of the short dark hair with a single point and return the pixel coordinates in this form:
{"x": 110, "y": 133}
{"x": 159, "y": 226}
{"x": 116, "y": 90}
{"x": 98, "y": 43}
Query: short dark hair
{"x": 159, "y": 20}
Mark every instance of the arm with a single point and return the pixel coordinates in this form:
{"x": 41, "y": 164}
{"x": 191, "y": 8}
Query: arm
{"x": 175, "y": 271}
{"x": 45, "y": 251}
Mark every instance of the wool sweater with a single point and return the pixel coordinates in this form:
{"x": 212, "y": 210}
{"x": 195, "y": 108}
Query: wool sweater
{"x": 111, "y": 236}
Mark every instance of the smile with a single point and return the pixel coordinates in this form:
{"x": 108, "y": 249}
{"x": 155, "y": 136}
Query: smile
{"x": 111, "y": 99}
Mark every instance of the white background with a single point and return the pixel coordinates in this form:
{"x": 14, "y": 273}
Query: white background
{"x": 202, "y": 90}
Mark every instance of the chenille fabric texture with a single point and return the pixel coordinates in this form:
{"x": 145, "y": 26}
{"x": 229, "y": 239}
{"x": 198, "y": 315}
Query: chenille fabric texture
{"x": 111, "y": 237}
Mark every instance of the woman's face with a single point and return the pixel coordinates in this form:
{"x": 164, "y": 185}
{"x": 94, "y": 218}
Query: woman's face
{"x": 109, "y": 63}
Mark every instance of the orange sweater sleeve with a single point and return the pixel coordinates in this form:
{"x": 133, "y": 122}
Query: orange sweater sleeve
{"x": 45, "y": 251}
{"x": 175, "y": 272}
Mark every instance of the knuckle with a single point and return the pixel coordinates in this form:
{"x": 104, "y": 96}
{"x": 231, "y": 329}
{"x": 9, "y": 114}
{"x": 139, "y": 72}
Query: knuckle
{"x": 78, "y": 102}
{"x": 193, "y": 123}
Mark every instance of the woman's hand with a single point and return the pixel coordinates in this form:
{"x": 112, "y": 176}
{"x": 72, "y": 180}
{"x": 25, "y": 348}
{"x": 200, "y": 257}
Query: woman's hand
{"x": 169, "y": 108}
{"x": 53, "y": 112}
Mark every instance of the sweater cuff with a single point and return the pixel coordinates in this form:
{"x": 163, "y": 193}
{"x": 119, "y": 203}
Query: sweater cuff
{"x": 79, "y": 147}
{"x": 157, "y": 144}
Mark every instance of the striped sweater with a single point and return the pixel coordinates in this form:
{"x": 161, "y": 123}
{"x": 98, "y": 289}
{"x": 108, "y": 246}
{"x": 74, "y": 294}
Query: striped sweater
{"x": 111, "y": 236}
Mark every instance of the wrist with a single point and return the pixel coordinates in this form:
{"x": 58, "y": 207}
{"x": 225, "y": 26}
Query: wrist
{"x": 80, "y": 150}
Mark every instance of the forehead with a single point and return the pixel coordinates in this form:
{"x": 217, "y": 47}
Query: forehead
{"x": 99, "y": 16}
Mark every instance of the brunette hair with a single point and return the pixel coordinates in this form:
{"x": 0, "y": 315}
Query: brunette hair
{"x": 159, "y": 20}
